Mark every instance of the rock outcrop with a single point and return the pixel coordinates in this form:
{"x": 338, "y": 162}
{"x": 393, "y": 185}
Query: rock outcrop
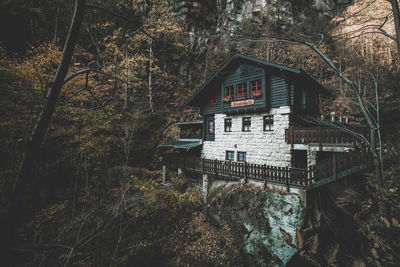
{"x": 264, "y": 222}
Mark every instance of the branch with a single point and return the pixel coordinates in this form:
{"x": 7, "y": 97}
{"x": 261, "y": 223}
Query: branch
{"x": 70, "y": 77}
{"x": 94, "y": 6}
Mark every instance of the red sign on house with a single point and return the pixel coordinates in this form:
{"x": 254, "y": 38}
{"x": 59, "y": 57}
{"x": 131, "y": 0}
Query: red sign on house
{"x": 242, "y": 103}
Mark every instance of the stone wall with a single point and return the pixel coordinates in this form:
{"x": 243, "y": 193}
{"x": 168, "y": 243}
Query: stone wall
{"x": 261, "y": 147}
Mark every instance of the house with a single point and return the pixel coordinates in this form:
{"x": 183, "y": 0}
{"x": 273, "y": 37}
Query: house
{"x": 254, "y": 125}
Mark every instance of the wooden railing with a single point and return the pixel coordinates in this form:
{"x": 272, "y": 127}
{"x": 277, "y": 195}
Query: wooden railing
{"x": 324, "y": 135}
{"x": 237, "y": 170}
{"x": 328, "y": 170}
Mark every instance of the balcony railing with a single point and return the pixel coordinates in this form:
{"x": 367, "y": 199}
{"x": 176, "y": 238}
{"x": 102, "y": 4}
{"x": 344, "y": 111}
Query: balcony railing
{"x": 321, "y": 135}
{"x": 336, "y": 167}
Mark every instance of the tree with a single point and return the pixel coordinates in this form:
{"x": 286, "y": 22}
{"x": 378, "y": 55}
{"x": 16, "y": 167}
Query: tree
{"x": 13, "y": 211}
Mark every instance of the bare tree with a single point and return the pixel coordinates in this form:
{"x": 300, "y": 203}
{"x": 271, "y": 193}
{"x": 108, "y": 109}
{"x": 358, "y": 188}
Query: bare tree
{"x": 14, "y": 212}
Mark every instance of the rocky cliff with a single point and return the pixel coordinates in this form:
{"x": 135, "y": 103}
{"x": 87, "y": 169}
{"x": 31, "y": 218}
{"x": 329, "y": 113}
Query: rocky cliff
{"x": 263, "y": 222}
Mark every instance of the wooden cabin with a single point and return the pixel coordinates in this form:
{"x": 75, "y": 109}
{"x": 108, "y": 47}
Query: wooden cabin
{"x": 252, "y": 110}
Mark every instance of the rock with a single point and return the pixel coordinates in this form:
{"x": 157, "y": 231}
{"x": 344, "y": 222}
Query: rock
{"x": 264, "y": 222}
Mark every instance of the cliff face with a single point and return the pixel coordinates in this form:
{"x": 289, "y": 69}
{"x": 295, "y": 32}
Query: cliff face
{"x": 264, "y": 223}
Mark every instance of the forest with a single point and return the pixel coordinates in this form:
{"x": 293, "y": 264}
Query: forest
{"x": 90, "y": 88}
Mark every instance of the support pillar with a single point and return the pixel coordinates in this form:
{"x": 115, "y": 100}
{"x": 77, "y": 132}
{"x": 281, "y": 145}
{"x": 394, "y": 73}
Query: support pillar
{"x": 164, "y": 174}
{"x": 204, "y": 188}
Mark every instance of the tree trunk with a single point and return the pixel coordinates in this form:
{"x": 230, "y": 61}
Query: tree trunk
{"x": 150, "y": 78}
{"x": 396, "y": 18}
{"x": 14, "y": 209}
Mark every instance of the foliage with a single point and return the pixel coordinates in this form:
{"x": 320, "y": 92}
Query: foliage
{"x": 143, "y": 223}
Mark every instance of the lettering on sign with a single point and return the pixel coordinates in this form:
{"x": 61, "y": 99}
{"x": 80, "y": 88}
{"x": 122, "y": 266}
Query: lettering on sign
{"x": 242, "y": 103}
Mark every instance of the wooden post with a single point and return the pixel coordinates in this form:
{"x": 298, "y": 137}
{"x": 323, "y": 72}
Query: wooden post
{"x": 286, "y": 174}
{"x": 204, "y": 189}
{"x": 320, "y": 138}
{"x": 334, "y": 165}
{"x": 291, "y": 138}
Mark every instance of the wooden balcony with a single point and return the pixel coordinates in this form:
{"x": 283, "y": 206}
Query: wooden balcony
{"x": 338, "y": 166}
{"x": 323, "y": 135}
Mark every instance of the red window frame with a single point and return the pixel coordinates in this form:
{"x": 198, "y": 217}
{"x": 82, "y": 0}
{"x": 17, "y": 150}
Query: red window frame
{"x": 228, "y": 91}
{"x": 255, "y": 87}
{"x": 241, "y": 91}
{"x": 213, "y": 101}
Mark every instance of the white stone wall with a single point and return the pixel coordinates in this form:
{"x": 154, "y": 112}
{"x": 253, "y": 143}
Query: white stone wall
{"x": 261, "y": 147}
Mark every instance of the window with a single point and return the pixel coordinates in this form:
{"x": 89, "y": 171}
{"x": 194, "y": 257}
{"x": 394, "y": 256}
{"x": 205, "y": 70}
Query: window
{"x": 246, "y": 124}
{"x": 241, "y": 156}
{"x": 213, "y": 101}
{"x": 228, "y": 125}
{"x": 241, "y": 91}
{"x": 255, "y": 88}
{"x": 210, "y": 127}
{"x": 230, "y": 155}
{"x": 228, "y": 94}
{"x": 268, "y": 123}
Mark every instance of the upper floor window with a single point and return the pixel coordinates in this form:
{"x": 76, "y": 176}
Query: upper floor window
{"x": 246, "y": 124}
{"x": 228, "y": 94}
{"x": 229, "y": 155}
{"x": 213, "y": 101}
{"x": 241, "y": 156}
{"x": 255, "y": 88}
{"x": 268, "y": 123}
{"x": 228, "y": 125}
{"x": 241, "y": 91}
{"x": 210, "y": 127}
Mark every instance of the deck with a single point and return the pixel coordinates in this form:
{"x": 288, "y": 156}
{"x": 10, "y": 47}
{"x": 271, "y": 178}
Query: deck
{"x": 324, "y": 135}
{"x": 326, "y": 171}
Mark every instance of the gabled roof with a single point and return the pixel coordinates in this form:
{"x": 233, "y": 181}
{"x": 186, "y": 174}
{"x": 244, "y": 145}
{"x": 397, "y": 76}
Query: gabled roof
{"x": 237, "y": 58}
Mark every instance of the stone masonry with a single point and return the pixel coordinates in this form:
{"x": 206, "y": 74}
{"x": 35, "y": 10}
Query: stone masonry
{"x": 261, "y": 147}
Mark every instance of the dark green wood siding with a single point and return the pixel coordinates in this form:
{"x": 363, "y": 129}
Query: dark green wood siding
{"x": 213, "y": 109}
{"x": 278, "y": 91}
{"x": 245, "y": 73}
{"x": 207, "y": 136}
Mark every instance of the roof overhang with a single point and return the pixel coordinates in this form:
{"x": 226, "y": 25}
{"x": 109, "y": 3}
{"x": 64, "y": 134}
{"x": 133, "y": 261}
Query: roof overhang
{"x": 185, "y": 144}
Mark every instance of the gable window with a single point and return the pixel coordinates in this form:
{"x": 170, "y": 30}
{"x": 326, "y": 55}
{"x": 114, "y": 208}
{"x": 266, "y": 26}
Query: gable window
{"x": 255, "y": 88}
{"x": 241, "y": 91}
{"x": 228, "y": 125}
{"x": 210, "y": 127}
{"x": 228, "y": 94}
{"x": 268, "y": 123}
{"x": 229, "y": 155}
{"x": 246, "y": 124}
{"x": 241, "y": 156}
{"x": 213, "y": 100}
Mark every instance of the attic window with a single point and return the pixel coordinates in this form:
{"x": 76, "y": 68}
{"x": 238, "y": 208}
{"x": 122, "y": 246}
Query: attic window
{"x": 213, "y": 101}
{"x": 228, "y": 94}
{"x": 241, "y": 91}
{"x": 255, "y": 88}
